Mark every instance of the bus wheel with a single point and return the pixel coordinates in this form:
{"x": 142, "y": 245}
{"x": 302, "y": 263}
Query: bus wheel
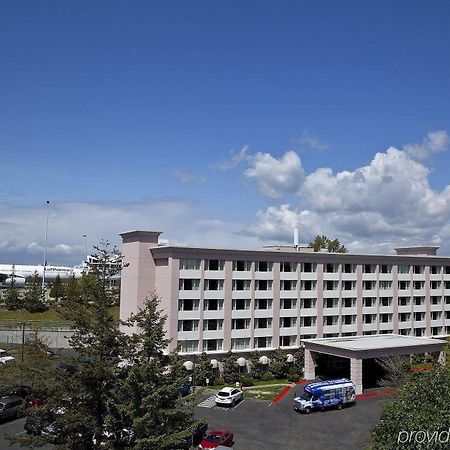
{"x": 339, "y": 406}
{"x": 307, "y": 410}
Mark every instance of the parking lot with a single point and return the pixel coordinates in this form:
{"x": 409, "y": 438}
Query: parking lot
{"x": 260, "y": 425}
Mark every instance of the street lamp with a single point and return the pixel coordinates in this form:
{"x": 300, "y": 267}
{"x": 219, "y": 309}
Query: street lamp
{"x": 85, "y": 248}
{"x": 45, "y": 246}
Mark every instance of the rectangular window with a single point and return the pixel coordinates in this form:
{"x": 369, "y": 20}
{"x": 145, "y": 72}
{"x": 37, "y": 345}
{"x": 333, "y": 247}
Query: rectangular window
{"x": 263, "y": 266}
{"x": 386, "y": 301}
{"x": 240, "y": 343}
{"x": 307, "y": 321}
{"x": 189, "y": 284}
{"x": 287, "y": 341}
{"x": 308, "y": 285}
{"x": 288, "y": 303}
{"x": 435, "y": 284}
{"x": 370, "y": 302}
{"x": 288, "y": 267}
{"x": 309, "y": 267}
{"x": 330, "y": 320}
{"x": 404, "y": 301}
{"x": 189, "y": 346}
{"x": 263, "y": 342}
{"x": 349, "y": 285}
{"x": 435, "y": 270}
{"x": 189, "y": 264}
{"x": 188, "y": 325}
{"x": 349, "y": 302}
{"x": 349, "y": 320}
{"x": 369, "y": 268}
{"x": 418, "y": 269}
{"x": 307, "y": 303}
{"x": 404, "y": 269}
{"x": 263, "y": 322}
{"x": 214, "y": 264}
{"x": 242, "y": 266}
{"x": 240, "y": 324}
{"x": 436, "y": 315}
{"x": 213, "y": 324}
{"x": 288, "y": 285}
{"x": 369, "y": 285}
{"x": 241, "y": 303}
{"x": 188, "y": 304}
{"x": 213, "y": 285}
{"x": 418, "y": 285}
{"x": 385, "y": 285}
{"x": 241, "y": 285}
{"x": 419, "y": 316}
{"x": 385, "y": 318}
{"x": 435, "y": 299}
{"x": 447, "y": 270}
{"x": 288, "y": 322}
{"x": 386, "y": 268}
{"x": 329, "y": 285}
{"x": 212, "y": 345}
{"x": 349, "y": 268}
{"x": 263, "y": 285}
{"x": 369, "y": 318}
{"x": 419, "y": 301}
{"x": 403, "y": 285}
{"x": 331, "y": 302}
{"x": 212, "y": 304}
{"x": 331, "y": 268}
{"x": 263, "y": 303}
{"x": 404, "y": 317}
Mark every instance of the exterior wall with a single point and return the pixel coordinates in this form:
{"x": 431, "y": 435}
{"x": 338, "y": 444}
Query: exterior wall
{"x": 360, "y": 294}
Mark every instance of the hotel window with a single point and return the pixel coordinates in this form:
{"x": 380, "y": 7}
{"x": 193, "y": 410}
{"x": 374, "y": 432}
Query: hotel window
{"x": 447, "y": 300}
{"x": 349, "y": 285}
{"x": 404, "y": 269}
{"x": 263, "y": 342}
{"x": 446, "y": 284}
{"x": 241, "y": 303}
{"x": 404, "y": 317}
{"x": 187, "y": 325}
{"x": 241, "y": 285}
{"x": 329, "y": 285}
{"x": 309, "y": 336}
{"x": 404, "y": 301}
{"x": 418, "y": 285}
{"x": 436, "y": 330}
{"x": 288, "y": 285}
{"x": 189, "y": 264}
{"x": 308, "y": 285}
{"x": 418, "y": 269}
{"x": 348, "y": 302}
{"x": 435, "y": 270}
{"x": 263, "y": 266}
{"x": 331, "y": 268}
{"x": 212, "y": 324}
{"x": 435, "y": 284}
{"x": 189, "y": 346}
{"x": 405, "y": 331}
{"x": 370, "y": 302}
{"x": 349, "y": 320}
{"x": 212, "y": 304}
{"x": 419, "y": 316}
{"x": 288, "y": 303}
{"x": 309, "y": 267}
{"x": 435, "y": 299}
{"x": 447, "y": 315}
{"x": 188, "y": 304}
{"x": 369, "y": 285}
{"x": 349, "y": 268}
{"x": 369, "y": 318}
{"x": 369, "y": 268}
{"x": 263, "y": 303}
{"x": 263, "y": 322}
{"x": 385, "y": 268}
{"x": 419, "y": 332}
{"x": 307, "y": 321}
{"x": 287, "y": 341}
{"x": 288, "y": 322}
{"x": 385, "y": 318}
{"x": 349, "y": 333}
{"x": 447, "y": 270}
{"x": 436, "y": 315}
{"x": 189, "y": 284}
{"x": 330, "y": 335}
{"x": 330, "y": 320}
{"x": 263, "y": 285}
{"x": 240, "y": 324}
{"x": 214, "y": 264}
{"x": 242, "y": 266}
{"x": 403, "y": 285}
{"x": 212, "y": 345}
{"x": 385, "y": 285}
{"x": 307, "y": 303}
{"x": 213, "y": 285}
{"x": 288, "y": 267}
{"x": 419, "y": 301}
{"x": 331, "y": 302}
{"x": 240, "y": 343}
{"x": 386, "y": 301}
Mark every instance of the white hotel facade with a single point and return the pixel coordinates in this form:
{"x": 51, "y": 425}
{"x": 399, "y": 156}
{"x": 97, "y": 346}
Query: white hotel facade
{"x": 241, "y": 300}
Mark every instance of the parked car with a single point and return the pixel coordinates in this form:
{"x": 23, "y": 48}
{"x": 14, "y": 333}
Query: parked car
{"x": 5, "y": 357}
{"x": 10, "y": 407}
{"x": 229, "y": 396}
{"x": 214, "y": 438}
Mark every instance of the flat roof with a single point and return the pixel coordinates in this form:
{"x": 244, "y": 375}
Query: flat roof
{"x": 374, "y": 345}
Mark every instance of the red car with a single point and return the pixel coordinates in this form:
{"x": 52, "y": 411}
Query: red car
{"x": 214, "y": 438}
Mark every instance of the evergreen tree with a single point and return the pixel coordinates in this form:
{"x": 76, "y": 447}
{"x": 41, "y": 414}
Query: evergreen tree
{"x": 57, "y": 290}
{"x": 230, "y": 369}
{"x": 203, "y": 370}
{"x": 13, "y": 299}
{"x": 299, "y": 360}
{"x": 34, "y": 300}
{"x": 71, "y": 291}
{"x": 256, "y": 367}
{"x": 278, "y": 364}
{"x": 323, "y": 242}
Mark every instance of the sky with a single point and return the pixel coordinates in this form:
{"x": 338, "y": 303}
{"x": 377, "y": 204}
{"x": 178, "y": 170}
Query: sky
{"x": 223, "y": 124}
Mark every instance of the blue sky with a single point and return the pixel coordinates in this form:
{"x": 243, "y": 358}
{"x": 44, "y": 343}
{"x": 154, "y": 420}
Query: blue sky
{"x": 135, "y": 114}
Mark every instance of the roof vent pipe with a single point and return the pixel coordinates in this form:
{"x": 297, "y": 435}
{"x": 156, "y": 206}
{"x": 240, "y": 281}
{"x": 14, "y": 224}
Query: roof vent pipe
{"x": 296, "y": 237}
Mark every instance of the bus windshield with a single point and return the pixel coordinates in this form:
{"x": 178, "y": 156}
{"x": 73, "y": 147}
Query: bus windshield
{"x": 306, "y": 396}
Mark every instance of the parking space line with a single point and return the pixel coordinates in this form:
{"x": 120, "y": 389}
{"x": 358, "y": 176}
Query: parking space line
{"x": 240, "y": 403}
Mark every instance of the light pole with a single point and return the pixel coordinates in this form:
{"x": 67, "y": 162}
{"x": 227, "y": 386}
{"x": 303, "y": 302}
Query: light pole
{"x": 85, "y": 248}
{"x": 45, "y": 246}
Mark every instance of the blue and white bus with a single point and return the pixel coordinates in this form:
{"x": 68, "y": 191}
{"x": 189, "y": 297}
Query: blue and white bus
{"x": 326, "y": 394}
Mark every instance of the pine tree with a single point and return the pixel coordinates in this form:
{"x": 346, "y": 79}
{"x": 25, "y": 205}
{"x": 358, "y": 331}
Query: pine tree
{"x": 256, "y": 370}
{"x": 299, "y": 360}
{"x": 278, "y": 363}
{"x": 57, "y": 290}
{"x": 13, "y": 299}
{"x": 203, "y": 369}
{"x": 230, "y": 369}
{"x": 34, "y": 300}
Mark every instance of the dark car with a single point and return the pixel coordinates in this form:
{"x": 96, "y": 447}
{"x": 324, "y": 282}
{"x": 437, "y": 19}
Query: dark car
{"x": 10, "y": 407}
{"x": 21, "y": 389}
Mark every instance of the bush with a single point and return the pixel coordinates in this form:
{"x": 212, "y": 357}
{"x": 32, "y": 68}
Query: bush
{"x": 293, "y": 377}
{"x": 267, "y": 376}
{"x": 218, "y": 382}
{"x": 247, "y": 380}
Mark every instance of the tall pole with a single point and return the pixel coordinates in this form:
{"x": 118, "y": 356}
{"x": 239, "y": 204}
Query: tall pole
{"x": 45, "y": 246}
{"x": 85, "y": 248}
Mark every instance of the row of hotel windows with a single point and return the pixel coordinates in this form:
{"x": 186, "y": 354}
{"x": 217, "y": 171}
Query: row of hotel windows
{"x": 267, "y": 266}
{"x": 306, "y": 303}
{"x": 192, "y": 284}
{"x": 289, "y": 322}
{"x": 209, "y": 345}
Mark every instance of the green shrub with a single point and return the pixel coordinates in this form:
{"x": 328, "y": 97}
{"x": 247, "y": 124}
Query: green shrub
{"x": 293, "y": 377}
{"x": 218, "y": 381}
{"x": 267, "y": 376}
{"x": 247, "y": 380}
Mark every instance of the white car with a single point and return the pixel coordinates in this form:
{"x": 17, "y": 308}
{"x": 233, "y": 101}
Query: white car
{"x": 5, "y": 357}
{"x": 229, "y": 396}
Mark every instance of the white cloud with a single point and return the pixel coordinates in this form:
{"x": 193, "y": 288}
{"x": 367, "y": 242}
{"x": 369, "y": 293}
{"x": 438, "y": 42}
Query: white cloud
{"x": 186, "y": 177}
{"x": 307, "y": 140}
{"x": 434, "y": 142}
{"x": 235, "y": 159}
{"x": 276, "y": 176}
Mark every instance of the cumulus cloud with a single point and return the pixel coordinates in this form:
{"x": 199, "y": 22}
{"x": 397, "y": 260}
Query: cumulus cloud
{"x": 276, "y": 176}
{"x": 434, "y": 142}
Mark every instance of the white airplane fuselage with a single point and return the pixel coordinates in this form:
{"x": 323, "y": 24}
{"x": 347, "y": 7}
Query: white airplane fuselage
{"x": 21, "y": 272}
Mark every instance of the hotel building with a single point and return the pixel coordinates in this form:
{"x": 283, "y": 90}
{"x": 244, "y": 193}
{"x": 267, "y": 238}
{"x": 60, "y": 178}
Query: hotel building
{"x": 227, "y": 299}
